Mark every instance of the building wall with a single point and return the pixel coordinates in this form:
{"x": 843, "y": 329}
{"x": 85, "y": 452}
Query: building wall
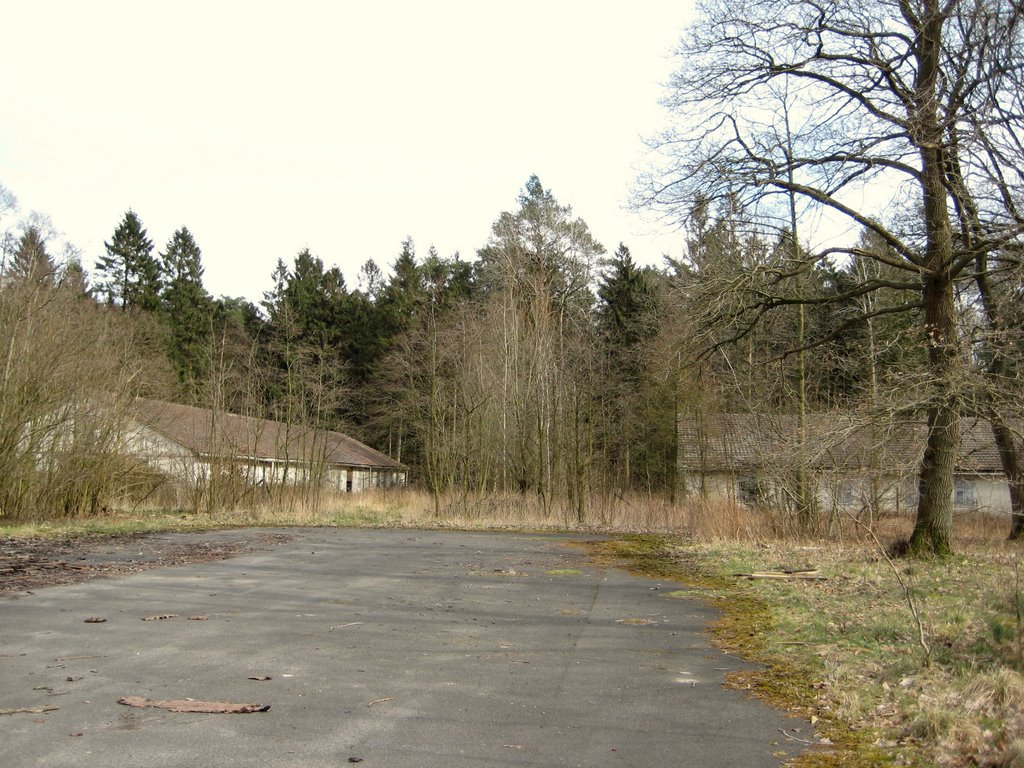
{"x": 992, "y": 494}
{"x": 172, "y": 459}
{"x": 983, "y": 493}
{"x": 163, "y": 455}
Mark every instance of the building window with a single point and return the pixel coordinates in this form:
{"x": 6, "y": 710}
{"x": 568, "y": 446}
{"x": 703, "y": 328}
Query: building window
{"x": 963, "y": 493}
{"x": 847, "y": 497}
{"x": 751, "y": 491}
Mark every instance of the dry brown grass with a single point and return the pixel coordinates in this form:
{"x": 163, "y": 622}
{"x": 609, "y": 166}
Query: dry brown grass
{"x": 703, "y": 521}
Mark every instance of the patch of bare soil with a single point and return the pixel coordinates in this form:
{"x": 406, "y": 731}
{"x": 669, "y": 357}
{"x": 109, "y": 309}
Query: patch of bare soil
{"x": 34, "y": 563}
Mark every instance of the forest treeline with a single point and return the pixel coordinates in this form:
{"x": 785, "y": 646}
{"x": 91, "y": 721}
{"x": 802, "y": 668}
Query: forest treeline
{"x": 545, "y": 365}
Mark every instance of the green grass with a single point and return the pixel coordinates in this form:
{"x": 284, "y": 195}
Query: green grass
{"x": 365, "y": 517}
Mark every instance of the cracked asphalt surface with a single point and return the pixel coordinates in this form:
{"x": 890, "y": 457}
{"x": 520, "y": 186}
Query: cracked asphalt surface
{"x": 391, "y": 648}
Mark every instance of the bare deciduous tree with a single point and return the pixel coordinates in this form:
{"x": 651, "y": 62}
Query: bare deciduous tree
{"x": 907, "y": 118}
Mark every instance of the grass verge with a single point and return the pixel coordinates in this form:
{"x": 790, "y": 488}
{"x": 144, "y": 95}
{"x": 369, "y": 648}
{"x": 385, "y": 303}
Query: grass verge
{"x": 843, "y": 652}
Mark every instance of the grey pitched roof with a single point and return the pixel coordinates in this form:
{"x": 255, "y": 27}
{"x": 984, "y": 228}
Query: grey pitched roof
{"x": 208, "y": 432}
{"x": 842, "y": 441}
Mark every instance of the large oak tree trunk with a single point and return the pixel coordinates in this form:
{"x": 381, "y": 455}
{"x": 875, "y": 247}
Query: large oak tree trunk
{"x": 933, "y": 527}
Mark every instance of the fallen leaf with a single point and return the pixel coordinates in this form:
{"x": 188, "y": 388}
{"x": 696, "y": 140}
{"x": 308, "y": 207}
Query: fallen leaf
{"x": 95, "y": 620}
{"x": 192, "y": 705}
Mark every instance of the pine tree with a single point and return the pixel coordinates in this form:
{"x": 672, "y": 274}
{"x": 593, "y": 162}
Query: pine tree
{"x": 130, "y": 274}
{"x": 187, "y": 307}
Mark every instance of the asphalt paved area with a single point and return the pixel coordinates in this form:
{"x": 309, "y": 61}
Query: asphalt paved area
{"x": 391, "y": 648}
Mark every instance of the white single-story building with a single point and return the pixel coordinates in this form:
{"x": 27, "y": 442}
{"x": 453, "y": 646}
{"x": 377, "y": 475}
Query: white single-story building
{"x": 851, "y": 464}
{"x": 189, "y": 443}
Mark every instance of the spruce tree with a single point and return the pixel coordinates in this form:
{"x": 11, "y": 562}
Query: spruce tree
{"x": 304, "y": 341}
{"x": 627, "y": 297}
{"x": 129, "y": 273}
{"x": 307, "y": 296}
{"x": 404, "y": 295}
{"x": 187, "y": 307}
{"x": 31, "y": 262}
{"x": 634, "y": 416}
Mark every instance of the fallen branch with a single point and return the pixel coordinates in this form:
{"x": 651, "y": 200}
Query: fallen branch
{"x": 799, "y": 575}
{"x": 191, "y": 705}
{"x": 27, "y": 710}
{"x": 788, "y": 735}
{"x": 76, "y": 658}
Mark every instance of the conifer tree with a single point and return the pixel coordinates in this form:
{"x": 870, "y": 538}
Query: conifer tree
{"x": 31, "y": 262}
{"x": 627, "y": 297}
{"x": 187, "y": 307}
{"x": 306, "y": 341}
{"x": 129, "y": 273}
{"x": 631, "y": 433}
{"x": 404, "y": 294}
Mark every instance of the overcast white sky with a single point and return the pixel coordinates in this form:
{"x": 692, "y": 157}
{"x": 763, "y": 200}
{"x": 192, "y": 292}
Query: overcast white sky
{"x": 268, "y": 127}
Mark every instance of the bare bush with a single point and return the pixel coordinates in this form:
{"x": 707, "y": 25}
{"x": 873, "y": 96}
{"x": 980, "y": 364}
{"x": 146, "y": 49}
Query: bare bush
{"x": 68, "y": 372}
